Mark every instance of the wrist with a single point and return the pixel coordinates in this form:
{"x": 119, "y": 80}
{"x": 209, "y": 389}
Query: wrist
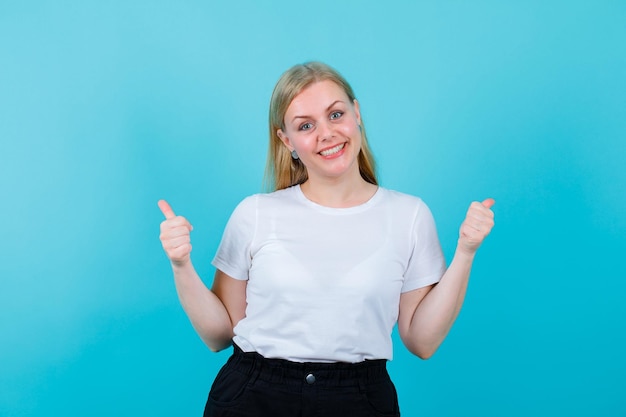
{"x": 181, "y": 265}
{"x": 464, "y": 254}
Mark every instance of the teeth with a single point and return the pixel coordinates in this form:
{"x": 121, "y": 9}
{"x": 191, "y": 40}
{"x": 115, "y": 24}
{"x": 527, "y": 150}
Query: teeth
{"x": 332, "y": 150}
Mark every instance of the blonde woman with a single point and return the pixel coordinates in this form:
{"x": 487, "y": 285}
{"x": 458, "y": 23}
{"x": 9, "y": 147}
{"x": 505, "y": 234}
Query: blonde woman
{"x": 312, "y": 277}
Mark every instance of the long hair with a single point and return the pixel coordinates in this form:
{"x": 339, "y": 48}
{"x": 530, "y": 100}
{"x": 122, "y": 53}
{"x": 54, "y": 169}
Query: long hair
{"x": 282, "y": 170}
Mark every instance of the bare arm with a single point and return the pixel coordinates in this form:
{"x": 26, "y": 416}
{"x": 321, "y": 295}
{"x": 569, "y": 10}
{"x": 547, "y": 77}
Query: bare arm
{"x": 232, "y": 294}
{"x": 427, "y": 314}
{"x": 208, "y": 313}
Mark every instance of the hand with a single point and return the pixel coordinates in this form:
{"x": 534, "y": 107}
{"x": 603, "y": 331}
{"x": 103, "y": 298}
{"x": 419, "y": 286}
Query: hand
{"x": 175, "y": 236}
{"x": 476, "y": 226}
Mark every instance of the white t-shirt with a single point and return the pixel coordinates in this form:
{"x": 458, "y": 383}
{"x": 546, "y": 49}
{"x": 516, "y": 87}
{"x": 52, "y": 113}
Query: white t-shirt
{"x": 324, "y": 283}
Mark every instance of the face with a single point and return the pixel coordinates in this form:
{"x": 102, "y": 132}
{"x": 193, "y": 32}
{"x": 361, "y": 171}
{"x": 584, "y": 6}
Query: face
{"x": 322, "y": 126}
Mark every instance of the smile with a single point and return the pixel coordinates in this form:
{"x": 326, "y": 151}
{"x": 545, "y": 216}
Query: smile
{"x": 332, "y": 150}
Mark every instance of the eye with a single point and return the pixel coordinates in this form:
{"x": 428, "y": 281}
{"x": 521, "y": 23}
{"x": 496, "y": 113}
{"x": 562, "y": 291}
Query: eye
{"x": 336, "y": 115}
{"x": 305, "y": 126}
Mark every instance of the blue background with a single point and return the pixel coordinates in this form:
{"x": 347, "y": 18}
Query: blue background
{"x": 105, "y": 107}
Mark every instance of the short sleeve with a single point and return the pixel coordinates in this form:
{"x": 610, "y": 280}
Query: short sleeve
{"x": 427, "y": 263}
{"x": 233, "y": 255}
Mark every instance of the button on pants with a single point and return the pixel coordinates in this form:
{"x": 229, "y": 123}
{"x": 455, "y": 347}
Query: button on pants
{"x": 250, "y": 385}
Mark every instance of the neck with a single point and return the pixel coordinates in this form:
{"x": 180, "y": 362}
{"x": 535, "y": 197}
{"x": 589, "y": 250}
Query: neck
{"x": 338, "y": 193}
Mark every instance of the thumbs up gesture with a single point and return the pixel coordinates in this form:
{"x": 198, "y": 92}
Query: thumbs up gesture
{"x": 476, "y": 226}
{"x": 175, "y": 235}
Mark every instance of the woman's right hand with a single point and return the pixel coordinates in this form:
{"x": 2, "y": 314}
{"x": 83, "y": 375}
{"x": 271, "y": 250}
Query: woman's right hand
{"x": 175, "y": 235}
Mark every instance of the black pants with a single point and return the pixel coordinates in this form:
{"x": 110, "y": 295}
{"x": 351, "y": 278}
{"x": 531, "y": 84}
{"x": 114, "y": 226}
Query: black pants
{"x": 251, "y": 385}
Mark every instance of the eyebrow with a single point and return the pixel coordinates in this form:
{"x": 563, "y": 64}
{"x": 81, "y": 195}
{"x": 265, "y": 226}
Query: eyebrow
{"x": 327, "y": 108}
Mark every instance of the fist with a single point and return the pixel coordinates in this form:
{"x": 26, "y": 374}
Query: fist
{"x": 175, "y": 235}
{"x": 476, "y": 226}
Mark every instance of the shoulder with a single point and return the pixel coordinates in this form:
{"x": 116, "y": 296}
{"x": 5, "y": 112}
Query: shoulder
{"x": 263, "y": 200}
{"x": 401, "y": 200}
{"x": 285, "y": 194}
{"x": 406, "y": 206}
{"x": 247, "y": 204}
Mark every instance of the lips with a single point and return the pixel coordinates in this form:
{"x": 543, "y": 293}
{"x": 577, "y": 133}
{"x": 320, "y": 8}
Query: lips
{"x": 333, "y": 150}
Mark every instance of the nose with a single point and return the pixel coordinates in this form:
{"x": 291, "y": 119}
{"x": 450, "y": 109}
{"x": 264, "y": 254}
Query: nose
{"x": 325, "y": 130}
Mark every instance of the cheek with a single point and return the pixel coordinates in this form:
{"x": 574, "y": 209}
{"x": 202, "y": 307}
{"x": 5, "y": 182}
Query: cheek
{"x": 302, "y": 141}
{"x": 351, "y": 129}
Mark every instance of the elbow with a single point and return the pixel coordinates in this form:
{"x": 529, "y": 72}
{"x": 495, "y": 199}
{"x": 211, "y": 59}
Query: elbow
{"x": 425, "y": 354}
{"x": 423, "y": 346}
{"x": 216, "y": 339}
{"x": 422, "y": 351}
{"x": 216, "y": 349}
{"x": 217, "y": 346}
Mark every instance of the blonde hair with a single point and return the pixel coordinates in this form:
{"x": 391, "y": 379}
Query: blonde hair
{"x": 282, "y": 170}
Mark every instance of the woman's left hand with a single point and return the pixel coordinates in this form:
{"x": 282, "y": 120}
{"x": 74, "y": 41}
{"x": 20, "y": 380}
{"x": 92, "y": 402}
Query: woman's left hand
{"x": 476, "y": 226}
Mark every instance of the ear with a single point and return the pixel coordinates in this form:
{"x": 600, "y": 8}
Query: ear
{"x": 357, "y": 111}
{"x": 284, "y": 139}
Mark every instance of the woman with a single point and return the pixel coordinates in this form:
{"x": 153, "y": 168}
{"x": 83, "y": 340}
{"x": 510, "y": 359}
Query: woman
{"x": 311, "y": 278}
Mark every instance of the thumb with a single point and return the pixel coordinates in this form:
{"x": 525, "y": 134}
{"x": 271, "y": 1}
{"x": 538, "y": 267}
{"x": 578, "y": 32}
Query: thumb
{"x": 166, "y": 209}
{"x": 489, "y": 203}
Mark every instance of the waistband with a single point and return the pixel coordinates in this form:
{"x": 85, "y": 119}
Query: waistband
{"x": 285, "y": 371}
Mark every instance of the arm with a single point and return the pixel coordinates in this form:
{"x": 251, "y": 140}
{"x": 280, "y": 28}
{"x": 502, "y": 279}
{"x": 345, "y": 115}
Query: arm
{"x": 427, "y": 314}
{"x": 213, "y": 313}
{"x": 209, "y": 315}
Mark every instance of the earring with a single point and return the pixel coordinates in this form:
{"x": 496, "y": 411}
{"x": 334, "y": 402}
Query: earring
{"x": 294, "y": 154}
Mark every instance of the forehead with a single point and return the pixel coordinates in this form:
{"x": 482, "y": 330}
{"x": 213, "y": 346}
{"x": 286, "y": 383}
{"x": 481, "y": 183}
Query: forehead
{"x": 318, "y": 95}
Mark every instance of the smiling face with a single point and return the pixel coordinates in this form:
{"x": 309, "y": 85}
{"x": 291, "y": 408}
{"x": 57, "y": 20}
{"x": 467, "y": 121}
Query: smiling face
{"x": 322, "y": 126}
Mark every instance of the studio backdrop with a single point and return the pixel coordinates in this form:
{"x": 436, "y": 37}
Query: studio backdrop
{"x": 107, "y": 107}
